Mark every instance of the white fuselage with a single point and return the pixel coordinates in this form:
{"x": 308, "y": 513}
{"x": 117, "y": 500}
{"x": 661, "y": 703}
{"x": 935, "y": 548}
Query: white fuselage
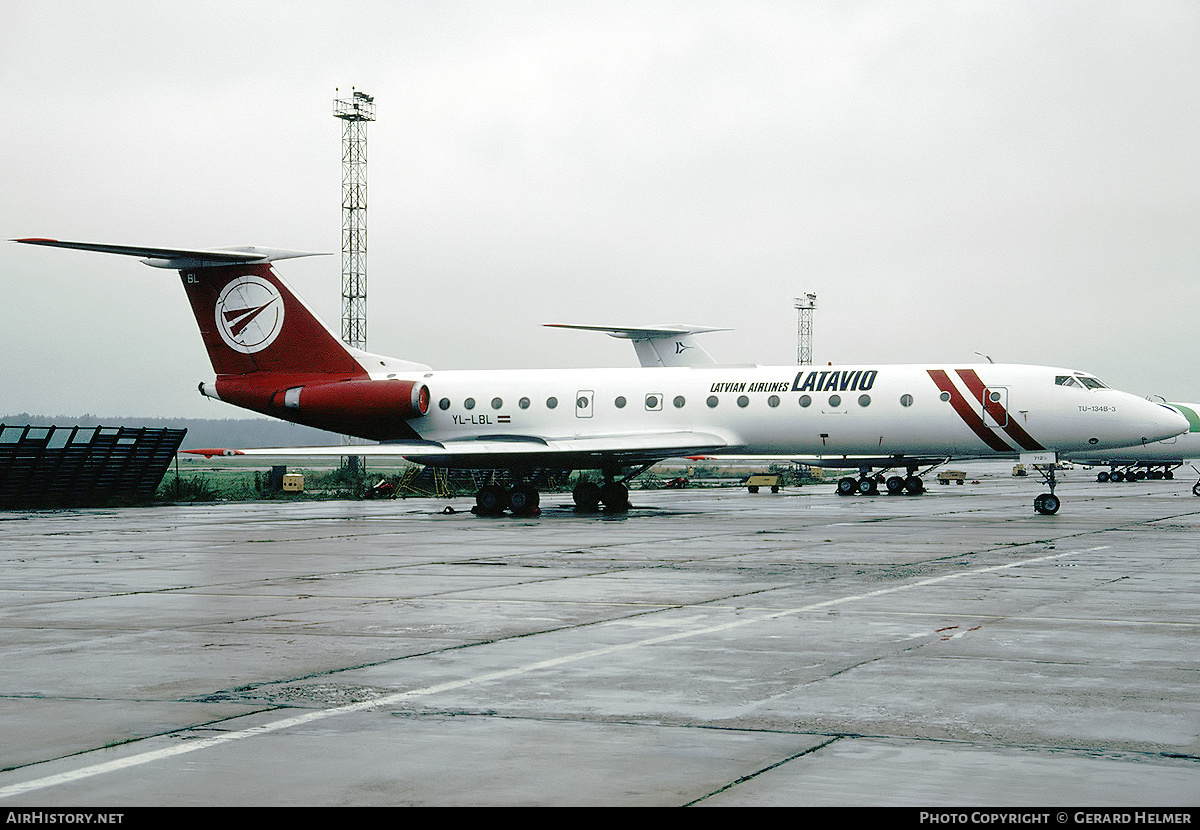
{"x": 842, "y": 410}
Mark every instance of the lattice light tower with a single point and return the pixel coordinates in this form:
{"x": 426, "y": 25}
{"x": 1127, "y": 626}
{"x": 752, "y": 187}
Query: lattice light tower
{"x": 355, "y": 112}
{"x": 805, "y": 306}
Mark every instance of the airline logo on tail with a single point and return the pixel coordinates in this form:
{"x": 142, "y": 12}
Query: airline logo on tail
{"x": 249, "y": 314}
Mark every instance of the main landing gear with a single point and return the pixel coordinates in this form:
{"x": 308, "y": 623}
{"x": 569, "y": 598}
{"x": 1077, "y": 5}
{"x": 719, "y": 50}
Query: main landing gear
{"x": 868, "y": 485}
{"x": 613, "y": 493}
{"x": 523, "y": 499}
{"x": 493, "y": 499}
{"x": 588, "y": 496}
{"x": 1196, "y": 486}
{"x": 1134, "y": 472}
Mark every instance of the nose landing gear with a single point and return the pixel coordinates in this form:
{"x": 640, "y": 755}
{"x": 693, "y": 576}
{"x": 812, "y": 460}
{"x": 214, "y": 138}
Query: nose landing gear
{"x": 1047, "y": 504}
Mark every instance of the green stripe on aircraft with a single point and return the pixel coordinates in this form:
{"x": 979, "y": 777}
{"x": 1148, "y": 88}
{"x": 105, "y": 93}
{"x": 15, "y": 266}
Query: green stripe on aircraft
{"x": 1190, "y": 414}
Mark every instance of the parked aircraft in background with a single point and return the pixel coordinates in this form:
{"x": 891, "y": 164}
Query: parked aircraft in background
{"x": 271, "y": 355}
{"x": 658, "y": 346}
{"x": 1155, "y": 460}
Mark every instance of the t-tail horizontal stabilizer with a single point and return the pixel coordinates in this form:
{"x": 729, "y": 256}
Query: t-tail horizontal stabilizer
{"x": 658, "y": 345}
{"x": 181, "y": 258}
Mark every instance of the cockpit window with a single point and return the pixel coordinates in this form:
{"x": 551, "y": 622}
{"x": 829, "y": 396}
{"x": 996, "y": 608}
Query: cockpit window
{"x": 1091, "y": 382}
{"x": 1067, "y": 380}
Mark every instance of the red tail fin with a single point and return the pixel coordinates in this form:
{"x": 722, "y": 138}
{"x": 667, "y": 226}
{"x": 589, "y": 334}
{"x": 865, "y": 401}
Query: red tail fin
{"x": 249, "y": 318}
{"x": 270, "y": 352}
{"x": 252, "y": 322}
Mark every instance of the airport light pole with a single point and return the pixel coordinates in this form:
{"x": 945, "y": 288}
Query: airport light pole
{"x": 355, "y": 112}
{"x": 805, "y": 306}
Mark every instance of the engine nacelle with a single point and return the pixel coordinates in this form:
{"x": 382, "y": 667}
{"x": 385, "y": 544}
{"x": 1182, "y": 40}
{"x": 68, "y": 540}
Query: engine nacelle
{"x": 365, "y": 399}
{"x": 374, "y": 409}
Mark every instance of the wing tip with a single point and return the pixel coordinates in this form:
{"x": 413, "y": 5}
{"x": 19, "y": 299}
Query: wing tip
{"x": 211, "y": 452}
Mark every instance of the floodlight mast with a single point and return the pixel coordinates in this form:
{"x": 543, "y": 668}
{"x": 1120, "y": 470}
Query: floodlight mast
{"x": 804, "y": 329}
{"x": 355, "y": 112}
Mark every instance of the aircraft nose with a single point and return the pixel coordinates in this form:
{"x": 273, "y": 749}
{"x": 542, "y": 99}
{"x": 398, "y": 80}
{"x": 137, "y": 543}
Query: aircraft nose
{"x": 1165, "y": 423}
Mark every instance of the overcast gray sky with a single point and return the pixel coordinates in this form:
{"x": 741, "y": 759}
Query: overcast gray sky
{"x": 1020, "y": 179}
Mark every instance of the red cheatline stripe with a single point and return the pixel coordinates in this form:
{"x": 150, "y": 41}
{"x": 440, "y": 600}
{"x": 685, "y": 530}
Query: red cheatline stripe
{"x": 997, "y": 411}
{"x": 967, "y": 412}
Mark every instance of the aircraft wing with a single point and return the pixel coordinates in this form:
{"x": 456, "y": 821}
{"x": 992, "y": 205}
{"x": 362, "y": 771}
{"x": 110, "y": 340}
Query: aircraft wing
{"x": 511, "y": 450}
{"x": 850, "y": 462}
{"x": 638, "y": 332}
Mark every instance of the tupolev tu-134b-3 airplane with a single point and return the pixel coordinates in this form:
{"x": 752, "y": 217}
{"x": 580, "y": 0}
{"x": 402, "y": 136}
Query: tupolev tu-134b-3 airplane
{"x": 271, "y": 355}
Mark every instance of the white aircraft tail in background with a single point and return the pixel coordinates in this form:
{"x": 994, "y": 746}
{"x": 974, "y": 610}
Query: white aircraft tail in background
{"x": 658, "y": 345}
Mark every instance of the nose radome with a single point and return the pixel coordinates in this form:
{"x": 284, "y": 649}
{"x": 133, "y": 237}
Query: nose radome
{"x": 1167, "y": 424}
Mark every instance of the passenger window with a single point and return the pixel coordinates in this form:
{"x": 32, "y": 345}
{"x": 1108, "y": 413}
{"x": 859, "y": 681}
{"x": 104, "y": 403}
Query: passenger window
{"x": 679, "y": 401}
{"x": 551, "y": 402}
{"x": 497, "y": 403}
{"x": 444, "y": 403}
{"x": 653, "y": 402}
{"x": 773, "y": 401}
{"x": 805, "y": 400}
{"x": 906, "y": 400}
{"x": 743, "y": 401}
{"x": 712, "y": 401}
{"x": 469, "y": 403}
{"x": 864, "y": 400}
{"x": 835, "y": 400}
{"x": 620, "y": 402}
{"x": 523, "y": 403}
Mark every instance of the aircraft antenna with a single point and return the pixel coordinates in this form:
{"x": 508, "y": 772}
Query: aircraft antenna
{"x": 355, "y": 112}
{"x": 805, "y": 306}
